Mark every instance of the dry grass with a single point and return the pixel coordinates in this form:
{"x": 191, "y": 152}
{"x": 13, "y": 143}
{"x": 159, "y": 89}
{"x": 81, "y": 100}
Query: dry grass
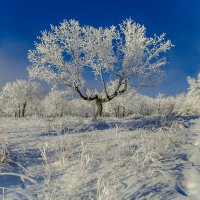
{"x": 3, "y": 149}
{"x": 101, "y": 164}
{"x": 99, "y": 161}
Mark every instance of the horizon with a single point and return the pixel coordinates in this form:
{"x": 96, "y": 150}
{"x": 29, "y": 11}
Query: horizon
{"x": 21, "y": 23}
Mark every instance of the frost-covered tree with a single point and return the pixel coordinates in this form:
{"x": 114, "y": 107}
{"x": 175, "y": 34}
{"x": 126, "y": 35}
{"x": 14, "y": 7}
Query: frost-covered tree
{"x": 55, "y": 103}
{"x": 79, "y": 107}
{"x": 115, "y": 55}
{"x": 194, "y": 86}
{"x": 122, "y": 105}
{"x": 179, "y": 107}
{"x": 192, "y": 101}
{"x": 18, "y": 95}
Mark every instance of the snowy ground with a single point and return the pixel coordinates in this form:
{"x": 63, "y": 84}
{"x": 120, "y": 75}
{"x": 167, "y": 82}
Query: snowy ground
{"x": 74, "y": 158}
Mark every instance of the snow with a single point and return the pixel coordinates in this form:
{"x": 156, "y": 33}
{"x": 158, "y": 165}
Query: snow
{"x": 79, "y": 158}
{"x": 191, "y": 179}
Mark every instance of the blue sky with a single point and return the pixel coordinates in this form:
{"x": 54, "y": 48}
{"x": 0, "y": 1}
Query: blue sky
{"x": 21, "y": 21}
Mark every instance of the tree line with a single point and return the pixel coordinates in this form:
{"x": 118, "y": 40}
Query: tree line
{"x": 26, "y": 98}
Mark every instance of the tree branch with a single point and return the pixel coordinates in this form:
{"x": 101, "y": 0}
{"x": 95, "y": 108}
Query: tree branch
{"x": 104, "y": 84}
{"x": 91, "y": 98}
{"x": 117, "y": 91}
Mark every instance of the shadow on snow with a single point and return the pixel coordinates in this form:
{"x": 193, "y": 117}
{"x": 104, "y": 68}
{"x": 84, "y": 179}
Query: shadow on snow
{"x": 129, "y": 124}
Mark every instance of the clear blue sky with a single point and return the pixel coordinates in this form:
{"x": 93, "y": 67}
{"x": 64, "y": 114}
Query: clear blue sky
{"x": 21, "y": 21}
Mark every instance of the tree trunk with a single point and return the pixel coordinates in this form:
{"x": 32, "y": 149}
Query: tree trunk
{"x": 19, "y": 111}
{"x": 115, "y": 112}
{"x": 99, "y": 108}
{"x": 124, "y": 111}
{"x": 24, "y": 109}
{"x": 118, "y": 111}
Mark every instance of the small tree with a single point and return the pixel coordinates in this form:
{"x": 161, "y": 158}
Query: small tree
{"x": 55, "y": 103}
{"x": 115, "y": 55}
{"x": 17, "y": 95}
{"x": 193, "y": 95}
{"x": 194, "y": 86}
